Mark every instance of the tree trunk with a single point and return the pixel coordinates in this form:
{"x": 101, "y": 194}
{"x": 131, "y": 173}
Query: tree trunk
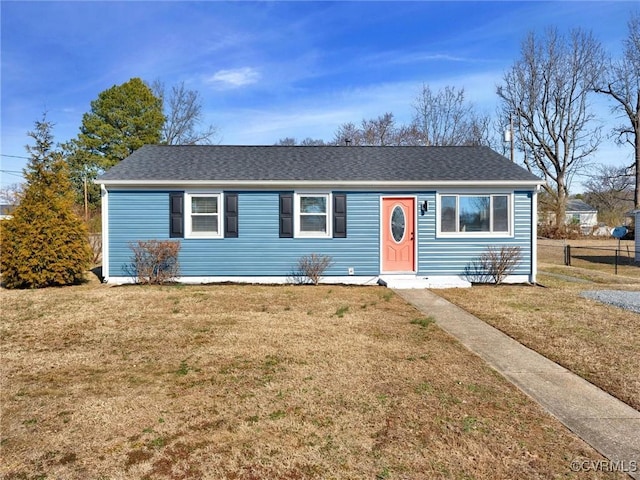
{"x": 636, "y": 190}
{"x": 561, "y": 208}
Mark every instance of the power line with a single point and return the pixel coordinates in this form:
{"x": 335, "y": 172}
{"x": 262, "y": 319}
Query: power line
{"x": 12, "y": 172}
{"x": 14, "y": 156}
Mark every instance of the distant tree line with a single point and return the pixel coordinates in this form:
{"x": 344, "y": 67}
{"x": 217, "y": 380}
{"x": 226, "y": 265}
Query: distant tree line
{"x": 545, "y": 100}
{"x": 441, "y": 118}
{"x": 545, "y": 96}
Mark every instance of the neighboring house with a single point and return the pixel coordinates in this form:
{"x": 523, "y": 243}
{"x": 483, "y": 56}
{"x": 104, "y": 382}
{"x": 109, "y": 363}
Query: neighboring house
{"x": 411, "y": 216}
{"x": 6, "y": 211}
{"x": 577, "y": 213}
{"x": 582, "y": 214}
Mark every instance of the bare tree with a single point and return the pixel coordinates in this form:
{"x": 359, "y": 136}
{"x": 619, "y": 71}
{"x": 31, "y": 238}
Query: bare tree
{"x": 610, "y": 190}
{"x": 381, "y": 131}
{"x": 307, "y": 142}
{"x": 349, "y": 134}
{"x": 546, "y": 91}
{"x": 312, "y": 142}
{"x": 10, "y": 194}
{"x": 287, "y": 142}
{"x": 183, "y": 111}
{"x": 622, "y": 85}
{"x": 446, "y": 118}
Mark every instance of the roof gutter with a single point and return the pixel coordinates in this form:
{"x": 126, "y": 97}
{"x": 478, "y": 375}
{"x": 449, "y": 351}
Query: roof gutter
{"x": 269, "y": 184}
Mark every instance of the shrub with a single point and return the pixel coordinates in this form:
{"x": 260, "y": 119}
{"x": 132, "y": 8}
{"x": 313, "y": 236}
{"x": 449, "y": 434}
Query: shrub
{"x": 155, "y": 261}
{"x": 493, "y": 265}
{"x": 571, "y": 231}
{"x": 310, "y": 268}
{"x": 45, "y": 242}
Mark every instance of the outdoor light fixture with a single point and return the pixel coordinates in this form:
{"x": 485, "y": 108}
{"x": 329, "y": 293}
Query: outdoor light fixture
{"x": 424, "y": 207}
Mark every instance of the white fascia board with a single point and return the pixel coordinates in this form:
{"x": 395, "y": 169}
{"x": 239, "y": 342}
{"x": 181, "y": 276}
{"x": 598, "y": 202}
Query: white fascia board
{"x": 291, "y": 184}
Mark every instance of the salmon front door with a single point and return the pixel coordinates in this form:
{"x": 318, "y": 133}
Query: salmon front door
{"x": 398, "y": 235}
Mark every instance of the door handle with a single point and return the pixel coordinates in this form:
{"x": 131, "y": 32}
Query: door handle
{"x": 411, "y": 235}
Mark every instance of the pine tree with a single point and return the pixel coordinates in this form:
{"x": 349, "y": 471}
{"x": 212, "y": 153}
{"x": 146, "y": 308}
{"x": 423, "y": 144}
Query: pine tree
{"x": 45, "y": 243}
{"x": 122, "y": 119}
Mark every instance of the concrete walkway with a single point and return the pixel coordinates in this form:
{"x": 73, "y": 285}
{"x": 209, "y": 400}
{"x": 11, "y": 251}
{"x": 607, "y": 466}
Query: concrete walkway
{"x": 607, "y": 424}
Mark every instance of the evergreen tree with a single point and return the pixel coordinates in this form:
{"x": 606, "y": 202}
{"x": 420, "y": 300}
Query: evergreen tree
{"x": 45, "y": 243}
{"x": 122, "y": 119}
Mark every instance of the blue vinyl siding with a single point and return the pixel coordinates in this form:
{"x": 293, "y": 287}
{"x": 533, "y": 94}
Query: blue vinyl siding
{"x": 258, "y": 251}
{"x": 450, "y": 256}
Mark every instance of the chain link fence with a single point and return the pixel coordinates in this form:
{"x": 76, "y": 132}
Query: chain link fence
{"x": 612, "y": 257}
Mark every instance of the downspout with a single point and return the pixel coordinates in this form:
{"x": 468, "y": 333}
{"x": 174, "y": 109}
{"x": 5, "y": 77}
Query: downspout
{"x": 104, "y": 197}
{"x": 534, "y": 235}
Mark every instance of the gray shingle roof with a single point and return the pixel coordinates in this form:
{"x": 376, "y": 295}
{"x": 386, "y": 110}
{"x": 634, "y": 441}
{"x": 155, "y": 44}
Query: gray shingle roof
{"x": 294, "y": 163}
{"x": 577, "y": 205}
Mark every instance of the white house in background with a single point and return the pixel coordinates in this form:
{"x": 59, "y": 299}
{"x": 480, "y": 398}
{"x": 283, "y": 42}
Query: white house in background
{"x": 581, "y": 213}
{"x": 6, "y": 211}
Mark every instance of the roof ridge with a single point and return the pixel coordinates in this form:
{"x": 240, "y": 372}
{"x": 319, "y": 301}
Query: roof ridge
{"x": 301, "y": 163}
{"x": 315, "y": 146}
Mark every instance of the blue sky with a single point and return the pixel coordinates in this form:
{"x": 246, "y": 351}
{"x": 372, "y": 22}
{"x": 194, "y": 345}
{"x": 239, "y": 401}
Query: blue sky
{"x": 269, "y": 70}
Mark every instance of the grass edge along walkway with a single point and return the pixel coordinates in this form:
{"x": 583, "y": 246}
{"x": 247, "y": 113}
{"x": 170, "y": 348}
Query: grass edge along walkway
{"x": 607, "y": 424}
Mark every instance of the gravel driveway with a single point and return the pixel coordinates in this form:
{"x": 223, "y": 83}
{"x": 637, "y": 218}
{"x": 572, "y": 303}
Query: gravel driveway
{"x": 619, "y": 298}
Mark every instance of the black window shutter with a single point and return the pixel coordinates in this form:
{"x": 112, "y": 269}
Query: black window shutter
{"x": 230, "y": 215}
{"x": 339, "y": 215}
{"x": 176, "y": 215}
{"x": 286, "y": 215}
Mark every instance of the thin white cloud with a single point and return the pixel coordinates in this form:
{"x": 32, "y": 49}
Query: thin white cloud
{"x": 422, "y": 57}
{"x": 234, "y": 78}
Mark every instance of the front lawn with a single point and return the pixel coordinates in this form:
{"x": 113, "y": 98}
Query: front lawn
{"x": 599, "y": 342}
{"x": 252, "y": 382}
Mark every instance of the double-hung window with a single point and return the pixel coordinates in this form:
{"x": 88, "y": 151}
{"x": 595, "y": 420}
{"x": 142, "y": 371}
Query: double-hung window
{"x": 203, "y": 215}
{"x": 313, "y": 217}
{"x": 475, "y": 215}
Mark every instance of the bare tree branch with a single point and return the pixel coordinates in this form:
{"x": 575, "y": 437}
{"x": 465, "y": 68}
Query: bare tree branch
{"x": 446, "y": 118}
{"x": 380, "y": 131}
{"x": 546, "y": 91}
{"x": 10, "y": 194}
{"x": 622, "y": 85}
{"x": 183, "y": 111}
{"x": 610, "y": 190}
{"x": 307, "y": 142}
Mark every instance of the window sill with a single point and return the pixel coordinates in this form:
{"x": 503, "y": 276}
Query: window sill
{"x": 204, "y": 236}
{"x": 472, "y": 235}
{"x": 312, "y": 235}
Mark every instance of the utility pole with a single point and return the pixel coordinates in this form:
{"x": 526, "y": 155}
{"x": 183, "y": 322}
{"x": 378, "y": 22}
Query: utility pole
{"x": 511, "y": 136}
{"x": 86, "y": 200}
{"x": 508, "y": 137}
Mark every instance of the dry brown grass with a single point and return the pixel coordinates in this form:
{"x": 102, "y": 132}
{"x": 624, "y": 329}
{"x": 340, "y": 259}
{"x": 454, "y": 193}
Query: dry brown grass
{"x": 247, "y": 382}
{"x": 599, "y": 342}
{"x": 590, "y": 256}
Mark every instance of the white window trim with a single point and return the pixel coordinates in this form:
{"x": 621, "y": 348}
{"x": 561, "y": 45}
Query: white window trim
{"x": 511, "y": 215}
{"x": 188, "y": 229}
{"x": 297, "y": 214}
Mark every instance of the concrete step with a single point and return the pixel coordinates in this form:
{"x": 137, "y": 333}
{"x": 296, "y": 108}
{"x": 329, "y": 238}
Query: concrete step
{"x": 417, "y": 281}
